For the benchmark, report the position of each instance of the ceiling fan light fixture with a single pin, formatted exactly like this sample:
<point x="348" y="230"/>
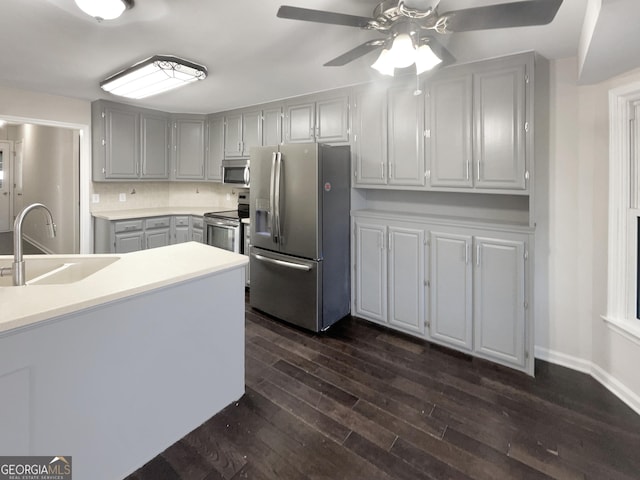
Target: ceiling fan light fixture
<point x="104" y="9"/>
<point x="384" y="64"/>
<point x="154" y="75"/>
<point x="403" y="51"/>
<point x="425" y="59"/>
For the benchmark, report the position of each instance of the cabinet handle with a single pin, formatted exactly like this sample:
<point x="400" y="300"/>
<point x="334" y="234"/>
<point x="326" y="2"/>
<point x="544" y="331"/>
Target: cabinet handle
<point x="381" y="169"/>
<point x="477" y="255"/>
<point x="239" y="146"/>
<point x="468" y="163"/>
<point x="389" y="243"/>
<point x="466" y="253"/>
<point x="478" y="169"/>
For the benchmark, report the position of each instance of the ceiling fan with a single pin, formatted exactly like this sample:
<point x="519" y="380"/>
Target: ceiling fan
<point x="410" y="27"/>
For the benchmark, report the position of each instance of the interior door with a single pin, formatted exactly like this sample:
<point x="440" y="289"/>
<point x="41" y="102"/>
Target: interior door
<point x="5" y="184"/>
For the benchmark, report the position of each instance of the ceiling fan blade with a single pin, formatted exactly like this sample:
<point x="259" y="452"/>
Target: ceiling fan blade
<point x="320" y="16"/>
<point x="515" y="14"/>
<point x="355" y="53"/>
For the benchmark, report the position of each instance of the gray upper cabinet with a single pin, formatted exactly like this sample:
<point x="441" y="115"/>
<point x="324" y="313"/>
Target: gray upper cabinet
<point x="215" y="148"/>
<point x="324" y="119"/>
<point x="449" y="131"/>
<point x="155" y="141"/>
<point x="499" y="122"/>
<point x="369" y="151"/>
<point x="243" y="131"/>
<point x="189" y="148"/>
<point x="120" y="143"/>
<point x="405" y="145"/>
<point x="272" y="126"/>
<point x="301" y="123"/>
<point x="233" y="136"/>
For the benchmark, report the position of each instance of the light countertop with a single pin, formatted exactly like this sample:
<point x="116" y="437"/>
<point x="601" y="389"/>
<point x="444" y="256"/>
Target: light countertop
<point x="133" y="273"/>
<point x="157" y="212"/>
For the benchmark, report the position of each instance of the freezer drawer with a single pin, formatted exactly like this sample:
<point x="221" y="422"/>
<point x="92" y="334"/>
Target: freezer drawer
<point x="288" y="288"/>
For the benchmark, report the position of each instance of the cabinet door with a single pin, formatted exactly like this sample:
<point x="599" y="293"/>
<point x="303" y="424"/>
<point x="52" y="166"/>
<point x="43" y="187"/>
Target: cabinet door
<point x="499" y="118"/>
<point x="128" y="242"/>
<point x="406" y="160"/>
<point x="182" y="235"/>
<point x="215" y="148"/>
<point x="121" y="143"/>
<point x="196" y="235"/>
<point x="233" y="136"/>
<point x="449" y="134"/>
<point x="332" y="120"/>
<point x="301" y="123"/>
<point x="499" y="314"/>
<point x="157" y="238"/>
<point x="451" y="301"/>
<point x="406" y="278"/>
<point x="155" y="142"/>
<point x="189" y="149"/>
<point x="251" y="131"/>
<point x="371" y="272"/>
<point x="272" y="126"/>
<point x="370" y="137"/>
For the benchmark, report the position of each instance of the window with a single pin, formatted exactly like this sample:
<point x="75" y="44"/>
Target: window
<point x="623" y="293"/>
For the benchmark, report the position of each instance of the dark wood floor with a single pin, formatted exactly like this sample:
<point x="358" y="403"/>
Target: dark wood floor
<point x="361" y="402"/>
<point x="6" y="245"/>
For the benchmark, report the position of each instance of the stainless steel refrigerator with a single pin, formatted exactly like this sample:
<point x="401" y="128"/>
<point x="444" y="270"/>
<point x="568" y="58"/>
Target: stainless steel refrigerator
<point x="299" y="260"/>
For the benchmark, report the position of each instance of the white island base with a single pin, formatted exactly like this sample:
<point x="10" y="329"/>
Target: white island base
<point x="114" y="384"/>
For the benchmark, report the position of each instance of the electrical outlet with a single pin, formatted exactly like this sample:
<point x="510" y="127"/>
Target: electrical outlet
<point x="95" y="198"/>
<point x="228" y="196"/>
<point x="123" y="197"/>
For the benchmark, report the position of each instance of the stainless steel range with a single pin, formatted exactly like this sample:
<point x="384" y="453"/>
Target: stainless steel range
<point x="226" y="229"/>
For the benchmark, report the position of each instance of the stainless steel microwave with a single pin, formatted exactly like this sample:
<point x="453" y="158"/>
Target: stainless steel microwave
<point x="236" y="172"/>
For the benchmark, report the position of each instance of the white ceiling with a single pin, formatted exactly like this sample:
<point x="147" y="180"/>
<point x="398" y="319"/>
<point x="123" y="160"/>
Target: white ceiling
<point x="252" y="56"/>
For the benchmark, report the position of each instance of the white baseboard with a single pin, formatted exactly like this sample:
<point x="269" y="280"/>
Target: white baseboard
<point x="611" y="383"/>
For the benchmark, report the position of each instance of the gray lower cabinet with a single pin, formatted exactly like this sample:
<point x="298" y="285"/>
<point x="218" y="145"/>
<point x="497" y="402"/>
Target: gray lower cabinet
<point x="390" y="274"/>
<point x="123" y="236"/>
<point x="197" y="229"/>
<point x="451" y="290"/>
<point x="460" y="286"/>
<point x="181" y="230"/>
<point x="499" y="300"/>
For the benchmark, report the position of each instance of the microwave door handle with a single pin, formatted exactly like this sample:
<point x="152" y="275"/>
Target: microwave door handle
<point x="272" y="200"/>
<point x="278" y="193"/>
<point x="245" y="175"/>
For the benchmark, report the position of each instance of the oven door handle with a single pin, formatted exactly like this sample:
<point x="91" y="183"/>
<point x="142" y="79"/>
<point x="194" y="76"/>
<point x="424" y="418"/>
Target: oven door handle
<point x="282" y="263"/>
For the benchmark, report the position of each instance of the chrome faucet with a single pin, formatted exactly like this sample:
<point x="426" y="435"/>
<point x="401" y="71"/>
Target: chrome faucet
<point x="18" y="261"/>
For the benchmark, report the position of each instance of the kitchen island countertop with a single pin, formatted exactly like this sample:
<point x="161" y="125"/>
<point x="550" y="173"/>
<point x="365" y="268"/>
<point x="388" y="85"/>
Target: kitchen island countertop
<point x="132" y="274"/>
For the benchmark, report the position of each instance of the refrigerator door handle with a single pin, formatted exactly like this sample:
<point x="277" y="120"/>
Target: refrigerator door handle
<point x="282" y="263"/>
<point x="272" y="199"/>
<point x="278" y="189"/>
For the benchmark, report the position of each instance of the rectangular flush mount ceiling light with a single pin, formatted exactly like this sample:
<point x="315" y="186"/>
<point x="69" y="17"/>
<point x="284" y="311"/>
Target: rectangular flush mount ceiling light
<point x="154" y="75"/>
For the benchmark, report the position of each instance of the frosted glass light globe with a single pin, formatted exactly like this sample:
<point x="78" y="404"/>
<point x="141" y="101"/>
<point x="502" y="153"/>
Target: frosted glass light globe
<point x="102" y="9"/>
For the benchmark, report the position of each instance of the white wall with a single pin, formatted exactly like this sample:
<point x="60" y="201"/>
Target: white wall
<point x="573" y="332"/>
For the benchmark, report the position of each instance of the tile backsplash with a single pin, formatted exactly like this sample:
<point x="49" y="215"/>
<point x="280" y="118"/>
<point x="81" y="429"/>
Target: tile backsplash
<point x="163" y="194"/>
